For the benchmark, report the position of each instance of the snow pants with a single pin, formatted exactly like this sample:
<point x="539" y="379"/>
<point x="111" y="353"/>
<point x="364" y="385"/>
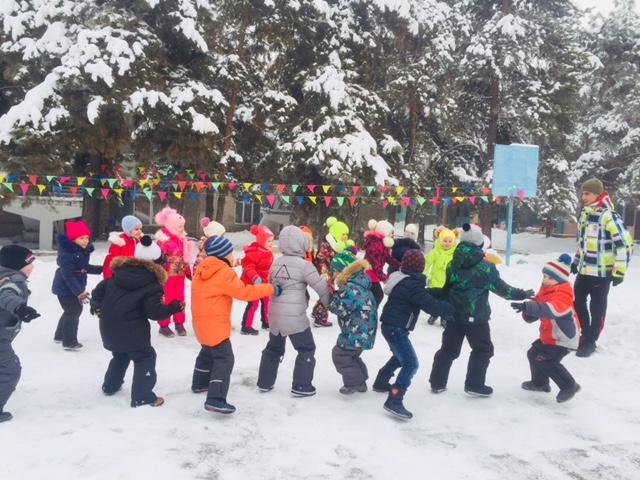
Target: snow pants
<point x="591" y="317"/>
<point x="174" y="290"/>
<point x="144" y="375"/>
<point x="349" y="364"/>
<point x="213" y="370"/>
<point x="67" y="329"/>
<point x="274" y="352"/>
<point x="250" y="311"/>
<point x="10" y="370"/>
<point x="544" y="362"/>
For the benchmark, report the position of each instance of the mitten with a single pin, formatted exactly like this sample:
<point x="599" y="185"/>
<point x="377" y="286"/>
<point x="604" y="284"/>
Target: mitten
<point x="529" y="293"/>
<point x="574" y="268"/>
<point x="26" y="313"/>
<point x="617" y="281"/>
<point x="176" y="306"/>
<point x="278" y="290"/>
<point x="518" y="306"/>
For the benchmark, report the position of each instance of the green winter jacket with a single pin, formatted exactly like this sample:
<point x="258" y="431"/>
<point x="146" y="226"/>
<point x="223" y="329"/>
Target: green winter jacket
<point x="469" y="280"/>
<point x="438" y="260"/>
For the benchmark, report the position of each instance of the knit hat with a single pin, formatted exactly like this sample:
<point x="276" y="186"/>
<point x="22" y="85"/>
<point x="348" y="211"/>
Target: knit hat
<point x="129" y="223"/>
<point x="559" y="269"/>
<point x="472" y="234"/>
<point x="412" y="262"/>
<point x="217" y="247"/>
<point x="337" y="228"/>
<point x="16" y="257"/>
<point x="262" y="233"/>
<point x="147" y="249"/>
<point x="385" y="228"/>
<point x="211" y="228"/>
<point x="77" y="229"/>
<point x="171" y="219"/>
<point x="341" y="260"/>
<point x="351" y="250"/>
<point x="411" y="231"/>
<point x="593" y="185"/>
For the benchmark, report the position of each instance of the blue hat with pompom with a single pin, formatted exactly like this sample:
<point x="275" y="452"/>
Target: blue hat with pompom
<point x="559" y="269"/>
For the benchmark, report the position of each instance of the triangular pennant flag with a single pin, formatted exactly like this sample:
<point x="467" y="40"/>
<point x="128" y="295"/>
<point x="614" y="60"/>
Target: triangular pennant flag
<point x="498" y="200"/>
<point x="178" y="195"/>
<point x="356" y="189"/>
<point x="2" y="178"/>
<point x="74" y="190"/>
<point x="460" y="199"/>
<point x="246" y="198"/>
<point x="399" y="190"/>
<point x="421" y="200"/>
<point x="392" y="200"/>
<point x="435" y="200"/>
<point x="112" y="182"/>
<point x="192" y="175"/>
<point x="265" y="187"/>
<point x="202" y="175"/>
<point x="384" y="189"/>
<point x="24" y="187"/>
<point x="199" y="186"/>
<point x="286" y="198"/>
<point x="300" y="199"/>
<point x="326" y="188"/>
<point x="232" y="186"/>
<point x="175" y="186"/>
<point x="472" y="199"/>
<point x="182" y="185"/>
<point x="385" y="203"/>
<point x="259" y="198"/>
<point x="312" y="188"/>
<point x="339" y="188"/>
<point x="247" y="186"/>
<point x="105" y="193"/>
<point x="162" y="196"/>
<point x="33" y="179"/>
<point x="340" y="200"/>
<point x="41" y="188"/>
<point x="484" y="198"/>
<point x="281" y="187"/>
<point x="486" y="191"/>
<point x="271" y="199"/>
<point x="148" y="194"/>
<point x="352" y="201"/>
<point x="127" y="183"/>
<point x="81" y="180"/>
<point x="103" y="182"/>
<point x="294" y="187"/>
<point x="9" y="186"/>
<point x="141" y="169"/>
<point x="133" y="194"/>
<point x="521" y="194"/>
<point x="143" y="182"/>
<point x="193" y="196"/>
<point x="51" y="177"/>
<point x="328" y="200"/>
<point x="313" y="199"/>
<point x="405" y="201"/>
<point x="118" y="191"/>
<point x="89" y="190"/>
<point x="216" y="186"/>
<point x="370" y="189"/>
<point x="454" y="189"/>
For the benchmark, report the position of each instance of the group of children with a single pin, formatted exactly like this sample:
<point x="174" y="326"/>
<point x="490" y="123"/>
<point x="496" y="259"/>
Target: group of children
<point x="144" y="279"/>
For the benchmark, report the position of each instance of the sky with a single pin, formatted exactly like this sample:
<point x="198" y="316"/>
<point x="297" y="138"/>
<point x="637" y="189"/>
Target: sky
<point x="604" y="6"/>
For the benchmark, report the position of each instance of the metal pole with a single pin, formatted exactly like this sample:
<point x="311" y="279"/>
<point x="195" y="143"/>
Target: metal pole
<point x="509" y="226"/>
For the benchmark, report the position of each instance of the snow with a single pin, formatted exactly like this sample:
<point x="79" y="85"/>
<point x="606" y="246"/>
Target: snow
<point x="93" y="109"/>
<point x="65" y="428"/>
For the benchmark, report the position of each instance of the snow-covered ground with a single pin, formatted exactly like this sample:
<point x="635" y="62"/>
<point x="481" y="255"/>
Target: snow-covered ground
<point x="64" y="427"/>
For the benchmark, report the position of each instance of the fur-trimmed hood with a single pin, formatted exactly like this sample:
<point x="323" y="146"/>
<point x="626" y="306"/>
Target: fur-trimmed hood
<point x="350" y="271"/>
<point x="125" y="280"/>
<point x="117" y="238"/>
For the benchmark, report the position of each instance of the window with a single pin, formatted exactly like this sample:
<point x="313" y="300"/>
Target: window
<point x="247" y="213"/>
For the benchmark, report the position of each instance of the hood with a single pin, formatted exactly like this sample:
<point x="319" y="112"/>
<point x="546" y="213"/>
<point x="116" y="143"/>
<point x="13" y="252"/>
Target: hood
<point x="564" y="289"/>
<point x="132" y="273"/>
<point x="394" y="279"/>
<point x="117" y="239"/>
<point x="437" y="245"/>
<point x="603" y="202"/>
<point x="350" y="272"/>
<point x="15" y="276"/>
<point x="210" y="266"/>
<point x="293" y="241"/>
<point x="255" y="247"/>
<point x="467" y="255"/>
<point x="68" y="246"/>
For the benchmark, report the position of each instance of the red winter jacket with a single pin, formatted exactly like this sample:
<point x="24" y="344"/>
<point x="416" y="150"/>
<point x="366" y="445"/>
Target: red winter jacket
<point x="256" y="263"/>
<point x="559" y="324"/>
<point x="122" y="245"/>
<point x="377" y="255"/>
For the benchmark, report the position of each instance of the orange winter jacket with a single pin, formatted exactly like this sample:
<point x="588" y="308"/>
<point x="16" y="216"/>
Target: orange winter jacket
<point x="214" y="287"/>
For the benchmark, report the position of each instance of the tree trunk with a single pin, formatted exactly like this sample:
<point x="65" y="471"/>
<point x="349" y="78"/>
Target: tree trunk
<point x="413" y="127"/>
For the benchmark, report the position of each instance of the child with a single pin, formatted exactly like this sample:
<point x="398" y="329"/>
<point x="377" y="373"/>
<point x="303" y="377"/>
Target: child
<point x="334" y="242"/>
<point x="400" y="247"/>
<point x="310" y="256"/>
<point x="122" y="244"/>
<point x="214" y="288"/>
<point x="256" y="263"/>
<point x="377" y="247"/>
<point x="124" y="303"/>
<point x="355" y="307"/>
<point x="288" y="314"/>
<point x="16" y="265"/>
<point x="209" y="229"/>
<point x="70" y="281"/>
<point x="470" y="278"/>
<point x="407" y="296"/>
<point x="177" y="253"/>
<point x="438" y="260"/>
<point x="559" y="330"/>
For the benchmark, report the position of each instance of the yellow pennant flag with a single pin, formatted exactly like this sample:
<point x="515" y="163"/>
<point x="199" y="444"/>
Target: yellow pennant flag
<point x="81" y="180"/>
<point x="326" y="188"/>
<point x="41" y="188"/>
<point x="399" y="190"/>
<point x="454" y="189"/>
<point x="143" y="182"/>
<point x="119" y="191"/>
<point x="460" y="199"/>
<point x="247" y="186"/>
<point x="259" y="198"/>
<point x="391" y="200"/>
<point x="2" y="178"/>
<point x="178" y="195"/>
<point x="313" y="199"/>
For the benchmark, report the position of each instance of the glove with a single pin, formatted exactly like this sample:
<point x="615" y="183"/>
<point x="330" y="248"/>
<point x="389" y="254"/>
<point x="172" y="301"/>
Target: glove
<point x="518" y="306"/>
<point x="176" y="306"/>
<point x="448" y="310"/>
<point x="528" y="294"/>
<point x="617" y="281"/>
<point x="95" y="311"/>
<point x="574" y="268"/>
<point x="278" y="290"/>
<point x="26" y="313"/>
<point x="257" y="281"/>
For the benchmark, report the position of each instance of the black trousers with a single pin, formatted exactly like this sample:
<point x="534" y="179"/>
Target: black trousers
<point x="591" y="317"/>
<point x="544" y="362"/>
<point x="274" y="352"/>
<point x="213" y="370"/>
<point x="378" y="293"/>
<point x="479" y="337"/>
<point x="10" y="370"/>
<point x="144" y="374"/>
<point x="67" y="329"/>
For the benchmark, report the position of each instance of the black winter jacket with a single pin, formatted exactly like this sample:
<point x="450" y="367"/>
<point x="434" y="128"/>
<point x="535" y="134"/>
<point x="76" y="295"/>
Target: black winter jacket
<point x="407" y="296"/>
<point x="126" y="301"/>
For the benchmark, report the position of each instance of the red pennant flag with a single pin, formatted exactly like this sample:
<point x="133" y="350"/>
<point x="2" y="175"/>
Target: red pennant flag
<point x="473" y="199"/>
<point x="312" y="188"/>
<point x="199" y="186"/>
<point x="352" y="200"/>
<point x="105" y="193"/>
<point x="438" y="190"/>
<point x="127" y="183"/>
<point x="521" y="194"/>
<point x="232" y="186"/>
<point x="74" y="190"/>
<point x="435" y="200"/>
<point x="33" y="179"/>
<point x="486" y="191"/>
<point x="385" y="203"/>
<point x="202" y="175"/>
<point x="271" y="199"/>
<point x="405" y="201"/>
<point x="182" y="185"/>
<point x="24" y="187"/>
<point x="356" y="189"/>
<point x="384" y="189"/>
<point x="498" y="201"/>
<point x="64" y="180"/>
<point x="328" y="200"/>
<point x="281" y="187"/>
<point x="162" y="196"/>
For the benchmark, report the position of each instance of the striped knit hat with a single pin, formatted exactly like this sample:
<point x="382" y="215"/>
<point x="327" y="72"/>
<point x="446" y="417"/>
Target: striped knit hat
<point x="341" y="261"/>
<point x="559" y="269"/>
<point x="218" y="247"/>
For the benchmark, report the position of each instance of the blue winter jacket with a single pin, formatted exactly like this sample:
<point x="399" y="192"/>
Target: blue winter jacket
<point x="356" y="309"/>
<point x="407" y="295"/>
<point x="70" y="279"/>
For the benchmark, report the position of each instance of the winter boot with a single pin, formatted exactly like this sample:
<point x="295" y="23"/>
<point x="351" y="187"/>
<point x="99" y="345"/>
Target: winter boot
<point x="264" y="389"/>
<point x="357" y="388"/>
<point x="108" y="393"/>
<point x="567" y="394"/>
<point x="166" y="332"/>
<point x="532" y="387"/>
<point x="180" y="330"/>
<point x="438" y="388"/>
<point x="73" y="348"/>
<point x="199" y="390"/>
<point x="481" y="391"/>
<point x="303" y="390"/>
<point x="249" y="331"/>
<point x="265" y="326"/>
<point x="219" y="405"/>
<point x="431" y="320"/>
<point x="153" y="403"/>
<point x="394" y="404"/>
<point x="585" y="350"/>
<point x="381" y="384"/>
<point x="5" y="417"/>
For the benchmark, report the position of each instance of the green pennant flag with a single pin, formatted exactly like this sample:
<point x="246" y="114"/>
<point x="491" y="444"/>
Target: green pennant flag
<point x="484" y="198"/>
<point x="8" y="185"/>
<point x="176" y="187"/>
<point x="192" y="175"/>
<point x="286" y="198"/>
<point x="148" y="194"/>
<point x="216" y="186"/>
<point x="294" y="187"/>
<point x="112" y="182"/>
<point x="89" y="190"/>
<point x="370" y="189"/>
<point x="340" y="200"/>
<point x="421" y="200"/>
<point x="51" y="177"/>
